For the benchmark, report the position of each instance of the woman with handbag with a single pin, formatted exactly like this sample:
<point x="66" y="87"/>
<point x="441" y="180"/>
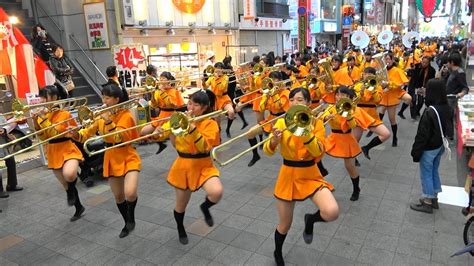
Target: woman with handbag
<point x="430" y="143"/>
<point x="62" y="69"/>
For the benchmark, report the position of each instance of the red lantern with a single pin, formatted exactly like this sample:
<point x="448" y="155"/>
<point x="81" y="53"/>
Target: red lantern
<point x="427" y="8"/>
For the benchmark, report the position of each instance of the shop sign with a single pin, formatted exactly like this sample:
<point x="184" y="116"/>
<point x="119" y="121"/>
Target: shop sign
<point x="129" y="57"/>
<point x="330" y="27"/>
<point x="265" y="24"/>
<point x="249" y="9"/>
<point x="96" y="26"/>
<point x="304" y="33"/>
<point x="189" y="6"/>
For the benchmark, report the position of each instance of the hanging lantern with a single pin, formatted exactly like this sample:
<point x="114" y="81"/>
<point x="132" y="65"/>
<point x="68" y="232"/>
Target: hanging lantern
<point x="427" y="8"/>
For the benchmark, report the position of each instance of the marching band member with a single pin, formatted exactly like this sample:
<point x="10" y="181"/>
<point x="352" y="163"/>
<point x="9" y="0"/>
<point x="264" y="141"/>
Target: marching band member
<point x="303" y="70"/>
<point x="121" y="165"/>
<point x="368" y="62"/>
<point x="393" y="94"/>
<point x="291" y="72"/>
<point x="368" y="103"/>
<point x="299" y="179"/>
<point x="63" y="155"/>
<point x="218" y="84"/>
<point x="341" y="143"/>
<point x="193" y="168"/>
<point x="167" y="99"/>
<point x="277" y="104"/>
<point x="353" y="71"/>
<point x="340" y="76"/>
<point x="253" y="90"/>
<point x="233" y="86"/>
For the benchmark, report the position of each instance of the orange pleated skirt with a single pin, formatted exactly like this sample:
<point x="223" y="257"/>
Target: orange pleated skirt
<point x="342" y="145"/>
<point x="222" y="101"/>
<point x="392" y="97"/>
<point x="191" y="173"/>
<point x="299" y="183"/>
<point x="255" y="104"/>
<point x="161" y="116"/>
<point x="372" y="111"/>
<point x="119" y="161"/>
<point x="59" y="153"/>
<point x="363" y="119"/>
<point x="329" y="98"/>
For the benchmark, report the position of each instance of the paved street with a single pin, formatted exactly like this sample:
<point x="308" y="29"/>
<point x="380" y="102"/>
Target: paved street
<point x="380" y="228"/>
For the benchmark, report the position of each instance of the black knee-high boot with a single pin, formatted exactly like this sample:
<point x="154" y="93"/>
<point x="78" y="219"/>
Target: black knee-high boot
<point x="241" y="115"/>
<point x="355" y="188"/>
<point x="394" y="135"/>
<point x="322" y="169"/>
<point x="229" y="124"/>
<point x="402" y="109"/>
<point x="381" y="115"/>
<point x="123" y="208"/>
<point x="278" y="253"/>
<point x="179" y="217"/>
<point x="260" y="137"/>
<point x="71" y="197"/>
<point x="309" y="220"/>
<point x="255" y="156"/>
<point x="205" y="210"/>
<point x="131" y="214"/>
<point x="161" y="146"/>
<point x="79" y="208"/>
<point x="374" y="142"/>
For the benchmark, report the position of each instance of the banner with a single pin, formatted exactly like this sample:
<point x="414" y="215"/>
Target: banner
<point x="304" y="33"/>
<point x="131" y="63"/>
<point x="249" y="9"/>
<point x="96" y="26"/>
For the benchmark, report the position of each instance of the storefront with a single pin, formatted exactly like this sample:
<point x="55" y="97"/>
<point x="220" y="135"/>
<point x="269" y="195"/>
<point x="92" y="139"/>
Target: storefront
<point x="177" y="35"/>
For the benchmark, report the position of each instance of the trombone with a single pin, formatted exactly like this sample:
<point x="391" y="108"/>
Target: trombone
<point x="88" y="116"/>
<point x="268" y="88"/>
<point x="179" y="126"/>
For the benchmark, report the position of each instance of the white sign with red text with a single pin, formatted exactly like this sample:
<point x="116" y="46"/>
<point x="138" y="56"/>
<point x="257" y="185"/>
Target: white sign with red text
<point x="249" y="9"/>
<point x="265" y="24"/>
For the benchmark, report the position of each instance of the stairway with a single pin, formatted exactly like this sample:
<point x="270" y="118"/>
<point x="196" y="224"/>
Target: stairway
<point x="26" y="23"/>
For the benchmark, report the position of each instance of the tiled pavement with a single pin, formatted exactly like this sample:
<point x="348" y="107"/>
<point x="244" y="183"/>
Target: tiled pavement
<point x="378" y="229"/>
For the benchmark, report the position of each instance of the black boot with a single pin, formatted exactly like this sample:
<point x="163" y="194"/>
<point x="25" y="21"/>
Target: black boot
<point x="161" y="147"/>
<point x="402" y="109"/>
<point x="71" y="197"/>
<point x="278" y="254"/>
<point x="324" y="172"/>
<point x="79" y="208"/>
<point x="131" y="214"/>
<point x="205" y="210"/>
<point x="381" y="115"/>
<point x="309" y="220"/>
<point x="229" y="124"/>
<point x="255" y="156"/>
<point x="394" y="135"/>
<point x="357" y="163"/>
<point x="123" y="208"/>
<point x="369" y="134"/>
<point x="261" y="139"/>
<point x="355" y="189"/>
<point x="374" y="142"/>
<point x="12" y="182"/>
<point x="241" y="115"/>
<point x="179" y="217"/>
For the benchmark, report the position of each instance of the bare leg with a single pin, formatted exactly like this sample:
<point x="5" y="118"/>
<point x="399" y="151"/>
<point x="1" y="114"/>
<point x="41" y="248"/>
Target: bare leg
<point x="285" y="214"/>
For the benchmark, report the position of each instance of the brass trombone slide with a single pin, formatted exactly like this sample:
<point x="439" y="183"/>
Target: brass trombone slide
<point x="268" y="88"/>
<point x="179" y="126"/>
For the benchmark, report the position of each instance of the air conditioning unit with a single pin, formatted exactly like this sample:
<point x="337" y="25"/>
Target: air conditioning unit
<point x="127" y="10"/>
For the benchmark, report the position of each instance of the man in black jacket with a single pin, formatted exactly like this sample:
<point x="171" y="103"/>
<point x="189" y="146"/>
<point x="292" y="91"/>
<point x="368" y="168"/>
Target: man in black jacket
<point x="419" y="76"/>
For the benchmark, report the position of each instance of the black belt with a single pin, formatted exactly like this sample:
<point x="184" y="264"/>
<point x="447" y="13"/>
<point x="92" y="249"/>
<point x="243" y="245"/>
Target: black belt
<point x="299" y="163"/>
<point x="314" y="101"/>
<point x="168" y="109"/>
<point x="340" y="131"/>
<point x="366" y="105"/>
<point x="58" y="140"/>
<point x="277" y="114"/>
<point x="194" y="156"/>
<point x="223" y="94"/>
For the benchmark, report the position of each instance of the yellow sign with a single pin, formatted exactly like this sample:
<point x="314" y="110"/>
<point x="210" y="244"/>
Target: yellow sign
<point x="189" y="6"/>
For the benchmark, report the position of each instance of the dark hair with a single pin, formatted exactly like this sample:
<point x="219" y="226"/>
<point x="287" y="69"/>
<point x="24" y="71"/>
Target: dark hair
<point x="219" y="65"/>
<point x="227" y="60"/>
<point x="435" y="92"/>
<point x="111" y="71"/>
<point x="34" y="31"/>
<point x="370" y="70"/>
<point x="51" y="90"/>
<point x="305" y="92"/>
<point x="368" y="52"/>
<point x="115" y="91"/>
<point x="56" y="47"/>
<point x="204" y="97"/>
<point x="275" y="75"/>
<point x="278" y="58"/>
<point x="167" y="75"/>
<point x="292" y="68"/>
<point x="337" y="58"/>
<point x="346" y="90"/>
<point x="270" y="59"/>
<point x="150" y="69"/>
<point x="256" y="59"/>
<point x="350" y="58"/>
<point x="455" y="59"/>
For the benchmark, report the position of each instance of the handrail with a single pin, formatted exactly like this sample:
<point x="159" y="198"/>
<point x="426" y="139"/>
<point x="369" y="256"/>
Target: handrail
<point x="86" y="75"/>
<point x="37" y="3"/>
<point x="90" y="60"/>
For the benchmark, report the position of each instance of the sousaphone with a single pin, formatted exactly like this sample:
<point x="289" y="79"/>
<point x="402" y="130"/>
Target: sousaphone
<point x="385" y="37"/>
<point x="410" y="37"/>
<point x="360" y="39"/>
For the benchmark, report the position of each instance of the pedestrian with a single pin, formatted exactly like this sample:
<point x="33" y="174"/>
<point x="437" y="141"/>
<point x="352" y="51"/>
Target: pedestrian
<point x="12" y="183"/>
<point x="62" y="69"/>
<point x="428" y="146"/>
<point x="41" y="43"/>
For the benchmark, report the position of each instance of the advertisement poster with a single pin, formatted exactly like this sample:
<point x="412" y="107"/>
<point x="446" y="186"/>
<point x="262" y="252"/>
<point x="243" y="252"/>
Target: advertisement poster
<point x="96" y="26"/>
<point x="130" y="60"/>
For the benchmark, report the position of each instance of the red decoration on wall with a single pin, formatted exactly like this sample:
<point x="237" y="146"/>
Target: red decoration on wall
<point x="427" y="8"/>
<point x="189" y="6"/>
<point x="129" y="58"/>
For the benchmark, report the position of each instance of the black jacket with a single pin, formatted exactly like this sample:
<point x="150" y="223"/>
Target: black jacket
<point x="42" y="47"/>
<point x="428" y="136"/>
<point x="418" y="79"/>
<point x="61" y="68"/>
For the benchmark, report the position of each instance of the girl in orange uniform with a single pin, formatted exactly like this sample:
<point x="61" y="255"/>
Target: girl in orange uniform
<point x="299" y="177"/>
<point x="393" y="94"/>
<point x="167" y="100"/>
<point x="63" y="155"/>
<point x="122" y="164"/>
<point x="291" y="73"/>
<point x="277" y="104"/>
<point x="341" y="143"/>
<point x="340" y="76"/>
<point x="219" y="83"/>
<point x="193" y="168"/>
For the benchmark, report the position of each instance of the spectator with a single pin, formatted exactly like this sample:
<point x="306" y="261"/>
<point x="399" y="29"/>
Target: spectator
<point x="41" y="43"/>
<point x="428" y="146"/>
<point x="62" y="69"/>
<point x="12" y="183"/>
<point x="456" y="87"/>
